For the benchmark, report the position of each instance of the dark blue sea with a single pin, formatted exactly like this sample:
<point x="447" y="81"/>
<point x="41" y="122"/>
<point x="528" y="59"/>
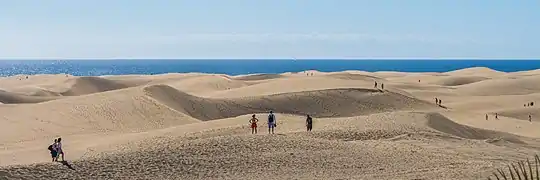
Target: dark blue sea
<point x="235" y="67"/>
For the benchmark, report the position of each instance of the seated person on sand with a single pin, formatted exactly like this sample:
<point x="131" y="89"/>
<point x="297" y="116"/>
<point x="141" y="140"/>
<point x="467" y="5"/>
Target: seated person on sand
<point x="271" y="122"/>
<point x="309" y="123"/>
<point x="253" y="121"/>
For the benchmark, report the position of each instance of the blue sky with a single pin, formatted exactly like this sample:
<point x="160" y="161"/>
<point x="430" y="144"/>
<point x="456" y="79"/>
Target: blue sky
<point x="66" y="29"/>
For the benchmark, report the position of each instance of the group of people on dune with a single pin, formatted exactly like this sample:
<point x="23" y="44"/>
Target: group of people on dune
<point x="56" y="149"/>
<point x="272" y="123"/>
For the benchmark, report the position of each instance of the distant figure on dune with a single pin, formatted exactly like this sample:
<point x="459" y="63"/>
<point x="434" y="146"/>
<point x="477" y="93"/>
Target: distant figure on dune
<point x="436" y="101"/>
<point x="253" y="122"/>
<point x="532" y="103"/>
<point x="487" y="117"/>
<point x="309" y="123"/>
<point x="496" y="115"/>
<point x="440" y="102"/>
<point x="530" y="118"/>
<point x="375" y="84"/>
<point x="419" y="80"/>
<point x="271" y="122"/>
<point x="52" y="150"/>
<point x="382" y="86"/>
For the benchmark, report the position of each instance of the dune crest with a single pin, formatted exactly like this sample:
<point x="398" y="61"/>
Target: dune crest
<point x="479" y="71"/>
<point x="89" y="85"/>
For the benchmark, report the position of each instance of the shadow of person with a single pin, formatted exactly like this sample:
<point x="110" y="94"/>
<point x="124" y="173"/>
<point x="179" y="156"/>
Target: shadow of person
<point x="443" y="106"/>
<point x="65" y="163"/>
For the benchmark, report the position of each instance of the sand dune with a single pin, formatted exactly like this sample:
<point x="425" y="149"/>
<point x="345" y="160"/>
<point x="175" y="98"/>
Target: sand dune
<point x="369" y="148"/>
<point x="445" y="125"/>
<point x="12" y="98"/>
<point x="351" y="76"/>
<point x="202" y="85"/>
<point x="457" y="81"/>
<point x="486" y="72"/>
<point x="320" y="103"/>
<point x="89" y="85"/>
<point x="502" y="86"/>
<point x="195" y="126"/>
<point x="126" y="110"/>
<point x="257" y="77"/>
<point x="522" y="113"/>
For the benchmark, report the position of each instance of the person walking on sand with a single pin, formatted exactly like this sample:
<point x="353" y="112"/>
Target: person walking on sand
<point x="309" y="123"/>
<point x="375" y="85"/>
<point x="59" y="149"/>
<point x="496" y="115"/>
<point x="271" y="122"/>
<point x="382" y="86"/>
<point x="436" y="101"/>
<point x="530" y="118"/>
<point x="487" y="117"/>
<point x="52" y="150"/>
<point x="253" y="121"/>
<point x="440" y="102"/>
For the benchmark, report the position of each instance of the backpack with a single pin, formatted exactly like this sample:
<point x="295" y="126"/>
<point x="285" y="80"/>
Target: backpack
<point x="50" y="148"/>
<point x="271" y="118"/>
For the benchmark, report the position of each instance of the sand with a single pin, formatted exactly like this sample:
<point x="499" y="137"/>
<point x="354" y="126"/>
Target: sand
<point x="195" y="126"/>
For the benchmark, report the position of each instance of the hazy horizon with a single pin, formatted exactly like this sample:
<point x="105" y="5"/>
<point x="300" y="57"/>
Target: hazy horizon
<point x="279" y="29"/>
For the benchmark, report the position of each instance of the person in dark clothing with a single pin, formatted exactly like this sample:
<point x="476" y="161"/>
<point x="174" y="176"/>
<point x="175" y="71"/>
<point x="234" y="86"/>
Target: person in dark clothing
<point x="375" y="84"/>
<point x="309" y="123"/>
<point x="52" y="149"/>
<point x="436" y="101"/>
<point x="271" y="122"/>
<point x="440" y="102"/>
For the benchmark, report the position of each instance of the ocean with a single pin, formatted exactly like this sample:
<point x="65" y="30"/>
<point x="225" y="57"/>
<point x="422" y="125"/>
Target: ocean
<point x="236" y="67"/>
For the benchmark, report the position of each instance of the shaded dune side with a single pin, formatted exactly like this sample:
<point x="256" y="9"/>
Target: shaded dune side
<point x="43" y="92"/>
<point x="256" y="77"/>
<point x="445" y="125"/>
<point x="319" y="103"/>
<point x="13" y="98"/>
<point x="456" y="81"/>
<point x="89" y="85"/>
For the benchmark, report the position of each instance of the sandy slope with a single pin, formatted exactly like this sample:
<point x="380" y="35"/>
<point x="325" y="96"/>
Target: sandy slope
<point x="194" y="126"/>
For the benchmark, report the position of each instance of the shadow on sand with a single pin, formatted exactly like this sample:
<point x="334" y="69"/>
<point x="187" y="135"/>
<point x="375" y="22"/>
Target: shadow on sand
<point x="443" y="106"/>
<point x="65" y="163"/>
